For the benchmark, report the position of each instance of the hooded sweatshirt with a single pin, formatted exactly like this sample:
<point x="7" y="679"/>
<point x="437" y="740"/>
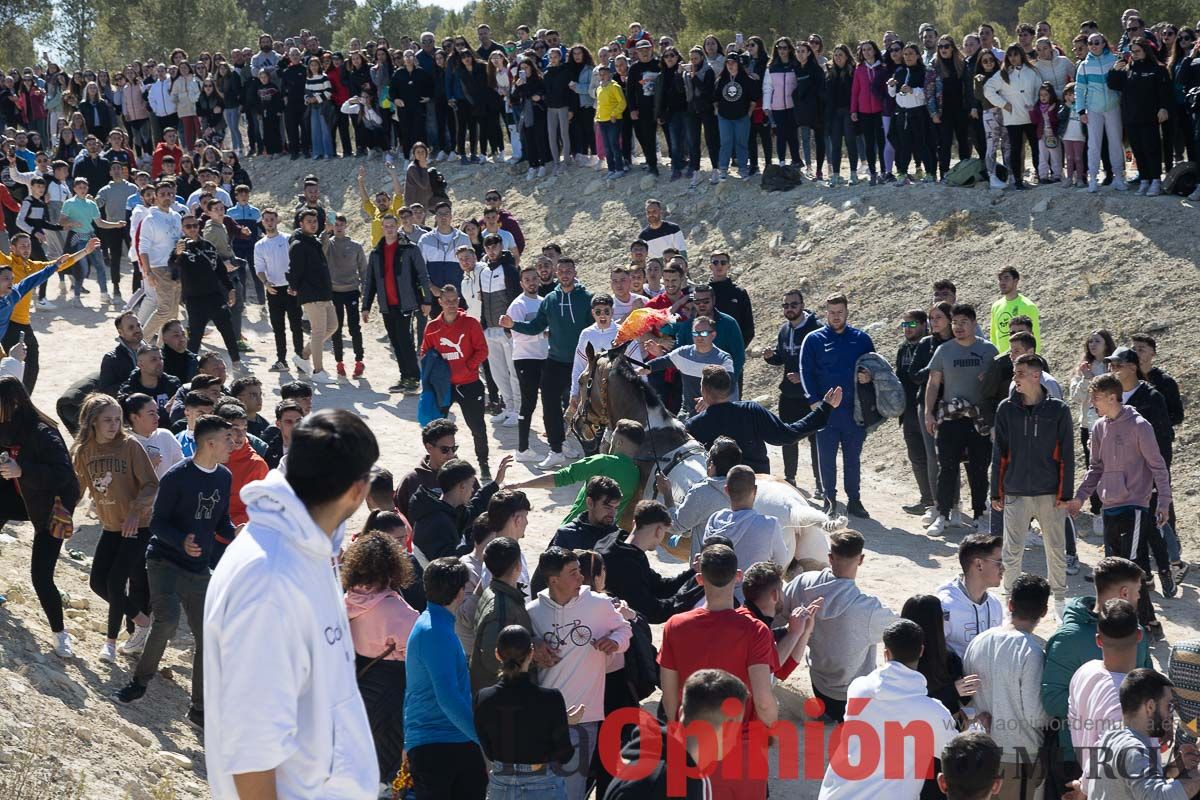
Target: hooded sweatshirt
<point x="1094" y="709"/>
<point x="1072" y="646"/>
<point x="691" y="515"/>
<point x="895" y="697"/>
<point x="1091" y="85"/>
<point x="849" y="626"/>
<point x="1126" y="464"/>
<point x="378" y="619"/>
<point x="274" y="607"/>
<point x="566" y="314"/>
<point x="438" y="527"/>
<point x="576" y="626"/>
<point x="460" y="342"/>
<point x="121" y="479"/>
<point x="247" y="466"/>
<point x="756" y="537"/>
<point x="1032" y="453"/>
<point x="966" y="619"/>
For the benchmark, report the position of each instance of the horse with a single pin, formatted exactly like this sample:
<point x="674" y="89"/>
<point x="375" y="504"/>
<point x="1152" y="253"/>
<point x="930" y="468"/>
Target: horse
<point x="610" y="390"/>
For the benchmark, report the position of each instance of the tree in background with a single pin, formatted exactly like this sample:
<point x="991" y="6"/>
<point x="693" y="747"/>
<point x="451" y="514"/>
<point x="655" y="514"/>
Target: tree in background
<point x="22" y="23"/>
<point x="74" y="25"/>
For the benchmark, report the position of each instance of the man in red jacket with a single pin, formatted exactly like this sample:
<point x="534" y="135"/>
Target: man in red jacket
<point x="459" y="338"/>
<point x="246" y="465"/>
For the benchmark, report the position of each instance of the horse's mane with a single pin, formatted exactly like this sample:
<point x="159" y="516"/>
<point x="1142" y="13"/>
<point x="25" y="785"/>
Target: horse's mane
<point x="623" y="368"/>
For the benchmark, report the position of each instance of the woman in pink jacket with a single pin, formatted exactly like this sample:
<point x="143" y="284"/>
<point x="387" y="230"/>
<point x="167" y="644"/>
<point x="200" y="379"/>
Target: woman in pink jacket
<point x="867" y="95"/>
<point x="374" y="569"/>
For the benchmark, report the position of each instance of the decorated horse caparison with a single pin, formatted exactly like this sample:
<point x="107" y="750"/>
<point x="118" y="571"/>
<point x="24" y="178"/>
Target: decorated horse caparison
<point x="611" y="390"/>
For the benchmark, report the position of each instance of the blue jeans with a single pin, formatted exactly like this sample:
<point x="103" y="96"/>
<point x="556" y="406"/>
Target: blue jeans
<point x="511" y="782"/>
<point x="231" y="121"/>
<point x="678" y="141"/>
<point x="735" y="141"/>
<point x="850" y="437"/>
<point x="322" y="137"/>
<point x="611" y="131"/>
<point x="92" y="264"/>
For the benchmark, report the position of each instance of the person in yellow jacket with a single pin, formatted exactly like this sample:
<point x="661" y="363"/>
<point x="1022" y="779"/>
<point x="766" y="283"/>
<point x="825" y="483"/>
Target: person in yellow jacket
<point x="610" y="106"/>
<point x="382" y="204"/>
<point x="1012" y="304"/>
<point x="20" y="275"/>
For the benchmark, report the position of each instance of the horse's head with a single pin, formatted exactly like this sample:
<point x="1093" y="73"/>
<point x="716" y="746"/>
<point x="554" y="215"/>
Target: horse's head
<point x="591" y="415"/>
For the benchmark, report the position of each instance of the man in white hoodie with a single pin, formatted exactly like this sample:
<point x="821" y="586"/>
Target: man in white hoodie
<point x="849" y="624"/>
<point x="908" y="725"/>
<point x="583" y="629"/>
<point x="756" y="537"/>
<point x="277" y="640"/>
<point x="969" y="608"/>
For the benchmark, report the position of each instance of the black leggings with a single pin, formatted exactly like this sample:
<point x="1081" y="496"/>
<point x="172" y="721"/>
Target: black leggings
<point x="529" y="378"/>
<point x="285" y="312"/>
<point x="468" y="128"/>
<point x="469" y="397"/>
<point x="556" y="384"/>
<point x="119" y="560"/>
<point x="1015" y="135"/>
<point x="32" y="366"/>
<point x="871" y="126"/>
<point x="951" y="128"/>
<point x="491" y="134"/>
<point x="44" y="559"/>
<point x="712" y="139"/>
<point x="345" y="305"/>
<point x="583" y="132"/>
<point x="787" y="135"/>
<point x="760" y="133"/>
<point x="112" y="242"/>
<point x="1084" y="436"/>
<point x="200" y="310"/>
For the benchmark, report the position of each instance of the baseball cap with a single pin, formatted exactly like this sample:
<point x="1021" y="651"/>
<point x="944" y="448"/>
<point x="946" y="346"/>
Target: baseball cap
<point x="1123" y="355"/>
<point x="643" y="45"/>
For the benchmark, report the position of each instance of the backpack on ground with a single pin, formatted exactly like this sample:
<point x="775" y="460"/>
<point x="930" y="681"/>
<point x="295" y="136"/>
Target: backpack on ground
<point x="1182" y="178"/>
<point x="781" y="178"/>
<point x="967" y="172"/>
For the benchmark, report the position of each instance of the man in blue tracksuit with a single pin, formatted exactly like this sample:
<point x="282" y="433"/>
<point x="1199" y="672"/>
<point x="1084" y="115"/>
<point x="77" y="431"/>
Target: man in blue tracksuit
<point x="827" y="359"/>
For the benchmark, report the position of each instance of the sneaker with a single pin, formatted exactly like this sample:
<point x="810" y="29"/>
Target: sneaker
<point x="571" y="449"/>
<point x="995" y="183"/>
<point x="541" y="173"/>
<point x="715" y="178"/>
<point x="527" y="456"/>
<point x="62" y="645"/>
<point x="46" y="304"/>
<point x="511" y="420"/>
<point x="1179" y="570"/>
<point x="341" y="369"/>
<point x="278" y="366"/>
<point x="982" y="523"/>
<point x="1194" y="197"/>
<point x="130" y="692"/>
<point x="956" y="518"/>
<point x="1092" y="186"/>
<point x="1033" y="540"/>
<point x="1120" y="185"/>
<point x="552" y="461"/>
<point x="359" y="369"/>
<point x="854" y="179"/>
<point x="244" y="347"/>
<point x="1155" y="189"/>
<point x="108" y="653"/>
<point x="1167" y="583"/>
<point x="76" y="302"/>
<point x="1072" y="565"/>
<point x="196" y="717"/>
<point x="302" y="364"/>
<point x="855" y="509"/>
<point x="938" y="526"/>
<point x="916" y="509"/>
<point x="873" y="180"/>
<point x="410" y="384"/>
<point x="496" y="408"/>
<point x="1143" y="187"/>
<point x="929" y="516"/>
<point x="396" y="387"/>
<point x="818" y="497"/>
<point x="531" y="174"/>
<point x="136" y="643"/>
<point x="323" y="377"/>
<point x="105" y="298"/>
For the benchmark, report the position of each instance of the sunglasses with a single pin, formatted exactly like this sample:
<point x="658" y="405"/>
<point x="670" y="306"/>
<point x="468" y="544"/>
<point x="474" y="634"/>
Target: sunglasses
<point x="943" y="47"/>
<point x="190" y="226"/>
<point x="702" y="334"/>
<point x="448" y="450"/>
<point x="720" y="261"/>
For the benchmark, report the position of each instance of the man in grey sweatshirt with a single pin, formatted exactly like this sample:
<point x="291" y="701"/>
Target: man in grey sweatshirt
<point x="849" y="625"/>
<point x="690" y="516"/>
<point x="756" y="537"/>
<point x="1135" y="772"/>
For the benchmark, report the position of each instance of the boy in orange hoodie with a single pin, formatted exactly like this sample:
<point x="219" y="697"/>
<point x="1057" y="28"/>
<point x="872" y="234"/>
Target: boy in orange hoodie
<point x="245" y="464"/>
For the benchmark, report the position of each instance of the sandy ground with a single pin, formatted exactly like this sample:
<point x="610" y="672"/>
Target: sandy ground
<point x="99" y="749"/>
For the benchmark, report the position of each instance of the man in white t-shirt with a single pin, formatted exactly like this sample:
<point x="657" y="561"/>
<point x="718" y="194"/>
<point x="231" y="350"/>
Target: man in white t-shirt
<point x="1094" y="703"/>
<point x="624" y="299"/>
<point x="276" y="636"/>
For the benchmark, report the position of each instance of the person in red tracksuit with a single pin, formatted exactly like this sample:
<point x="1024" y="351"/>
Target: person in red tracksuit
<point x="459" y="338"/>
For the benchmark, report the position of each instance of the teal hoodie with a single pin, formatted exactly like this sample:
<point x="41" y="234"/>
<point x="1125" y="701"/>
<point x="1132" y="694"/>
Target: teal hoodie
<point x="1072" y="646"/>
<point x="566" y="314"/>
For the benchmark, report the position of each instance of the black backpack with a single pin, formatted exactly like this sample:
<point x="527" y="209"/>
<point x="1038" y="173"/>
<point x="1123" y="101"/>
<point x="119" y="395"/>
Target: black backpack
<point x="1182" y="178"/>
<point x="641" y="660"/>
<point x="781" y="178"/>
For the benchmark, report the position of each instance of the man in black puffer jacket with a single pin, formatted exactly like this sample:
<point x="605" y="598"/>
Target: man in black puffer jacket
<point x="310" y="283"/>
<point x="798" y="324"/>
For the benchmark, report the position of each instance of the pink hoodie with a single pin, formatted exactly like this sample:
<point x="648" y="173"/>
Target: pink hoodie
<point x="867" y="90"/>
<point x="1126" y="465"/>
<point x="377" y="619"/>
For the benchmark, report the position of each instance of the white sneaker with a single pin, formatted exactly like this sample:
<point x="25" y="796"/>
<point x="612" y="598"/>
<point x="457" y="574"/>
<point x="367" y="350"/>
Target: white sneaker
<point x="938" y="527"/>
<point x="995" y="182"/>
<point x="956" y="518"/>
<point x="136" y="643"/>
<point x="511" y="419"/>
<point x="324" y="377"/>
<point x="302" y="364"/>
<point x="530" y="174"/>
<point x="441" y="156"/>
<point x="1120" y="185"/>
<point x="1093" y="186"/>
<point x="541" y="173"/>
<point x="46" y="304"/>
<point x="929" y="516"/>
<point x="552" y="461"/>
<point x="62" y="645"/>
<point x="108" y="653"/>
<point x="526" y="456"/>
<point x="105" y="298"/>
<point x="572" y="450"/>
<point x="1155" y="189"/>
<point x="1098" y="524"/>
<point x="982" y="523"/>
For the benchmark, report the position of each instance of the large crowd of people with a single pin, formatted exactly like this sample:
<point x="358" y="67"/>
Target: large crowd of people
<point x="432" y="651"/>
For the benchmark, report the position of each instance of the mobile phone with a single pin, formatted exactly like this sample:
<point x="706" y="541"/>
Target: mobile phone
<point x="737" y="38"/>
